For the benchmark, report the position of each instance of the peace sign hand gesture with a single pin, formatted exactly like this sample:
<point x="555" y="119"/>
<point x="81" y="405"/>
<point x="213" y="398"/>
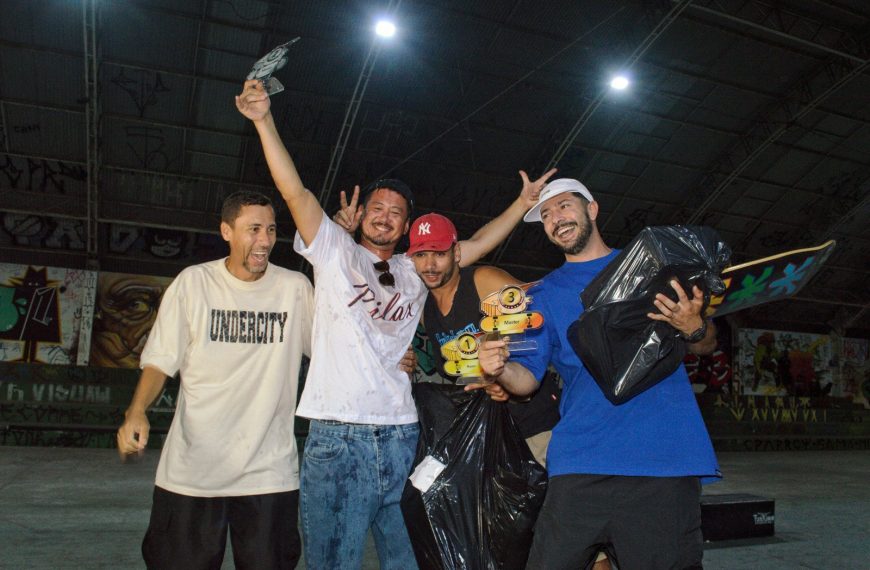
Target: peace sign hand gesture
<point x="349" y="215"/>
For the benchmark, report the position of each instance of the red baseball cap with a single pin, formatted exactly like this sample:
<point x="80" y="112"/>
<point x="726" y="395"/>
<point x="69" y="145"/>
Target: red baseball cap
<point x="432" y="232"/>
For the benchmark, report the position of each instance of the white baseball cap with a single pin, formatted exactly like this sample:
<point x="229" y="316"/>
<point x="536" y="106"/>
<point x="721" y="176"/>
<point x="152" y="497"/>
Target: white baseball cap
<point x="554" y="188"/>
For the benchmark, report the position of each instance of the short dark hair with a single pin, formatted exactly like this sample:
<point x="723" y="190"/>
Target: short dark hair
<point x="393" y="184"/>
<point x="234" y="203"/>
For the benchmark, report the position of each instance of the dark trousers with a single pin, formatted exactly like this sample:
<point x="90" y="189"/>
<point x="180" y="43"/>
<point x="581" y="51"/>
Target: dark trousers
<point x="643" y="523"/>
<point x="190" y="533"/>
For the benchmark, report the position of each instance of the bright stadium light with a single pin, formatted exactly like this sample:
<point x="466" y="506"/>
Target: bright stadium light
<point x="619" y="82"/>
<point x="385" y="29"/>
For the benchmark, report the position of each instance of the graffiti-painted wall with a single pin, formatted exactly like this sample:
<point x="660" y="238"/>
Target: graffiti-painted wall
<point x="53" y="315"/>
<point x="125" y="309"/>
<point x="157" y="243"/>
<point x="132" y="242"/>
<point x="711" y="373"/>
<point x="783" y="363"/>
<point x="780" y="363"/>
<point x="853" y="373"/>
<point x="44" y="313"/>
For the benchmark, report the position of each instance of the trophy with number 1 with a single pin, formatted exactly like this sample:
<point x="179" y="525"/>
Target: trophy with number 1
<point x="505" y="315"/>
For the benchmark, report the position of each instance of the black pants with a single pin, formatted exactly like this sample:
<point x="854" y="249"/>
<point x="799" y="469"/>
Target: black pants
<point x="643" y="523"/>
<point x="190" y="533"/>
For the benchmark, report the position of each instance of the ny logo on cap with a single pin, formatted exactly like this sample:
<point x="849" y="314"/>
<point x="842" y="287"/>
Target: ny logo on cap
<point x="424" y="229"/>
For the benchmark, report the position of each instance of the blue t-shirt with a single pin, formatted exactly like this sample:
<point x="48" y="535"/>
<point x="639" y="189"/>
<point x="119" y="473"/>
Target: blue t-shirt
<point x="657" y="433"/>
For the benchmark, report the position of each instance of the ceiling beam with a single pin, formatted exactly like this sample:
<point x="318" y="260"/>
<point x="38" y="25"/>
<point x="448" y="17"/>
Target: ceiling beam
<point x="352" y="110"/>
<point x="90" y="25"/>
<point x="856" y="210"/>
<point x="817" y="301"/>
<point x="447" y="67"/>
<point x="765" y="129"/>
<point x="846" y="317"/>
<point x="775" y="20"/>
<point x="805" y="95"/>
<point x="191" y="97"/>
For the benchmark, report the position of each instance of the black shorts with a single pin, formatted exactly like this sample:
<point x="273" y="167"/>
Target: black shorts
<point x="641" y="522"/>
<point x="191" y="532"/>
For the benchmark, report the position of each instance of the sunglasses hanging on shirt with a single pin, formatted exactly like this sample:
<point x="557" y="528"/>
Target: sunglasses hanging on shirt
<point x="385" y="278"/>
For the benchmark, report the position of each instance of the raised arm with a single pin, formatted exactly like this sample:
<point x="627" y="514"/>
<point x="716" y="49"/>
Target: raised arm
<point x="497" y="230"/>
<point x="307" y="214"/>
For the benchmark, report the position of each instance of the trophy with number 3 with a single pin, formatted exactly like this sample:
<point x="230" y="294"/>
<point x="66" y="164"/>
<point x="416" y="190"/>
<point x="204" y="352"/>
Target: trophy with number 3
<point x="505" y="316"/>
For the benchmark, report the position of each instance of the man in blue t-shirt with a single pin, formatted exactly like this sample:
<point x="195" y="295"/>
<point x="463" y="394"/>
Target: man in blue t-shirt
<point x="623" y="478"/>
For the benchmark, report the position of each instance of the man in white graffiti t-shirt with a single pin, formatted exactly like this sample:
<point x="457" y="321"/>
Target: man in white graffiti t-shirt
<point x="367" y="305"/>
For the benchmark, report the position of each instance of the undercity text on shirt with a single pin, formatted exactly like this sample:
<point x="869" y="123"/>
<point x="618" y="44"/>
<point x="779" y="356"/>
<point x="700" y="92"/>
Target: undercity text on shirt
<point x="257" y="327"/>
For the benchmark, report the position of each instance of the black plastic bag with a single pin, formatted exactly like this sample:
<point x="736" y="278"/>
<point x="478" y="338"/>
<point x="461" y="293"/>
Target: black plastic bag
<point x="478" y="513"/>
<point x="625" y="351"/>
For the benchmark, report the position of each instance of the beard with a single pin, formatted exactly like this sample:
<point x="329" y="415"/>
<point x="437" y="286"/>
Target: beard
<point x="445" y="277"/>
<point x="378" y="240"/>
<point x="580" y="242"/>
<point x="379" y="237"/>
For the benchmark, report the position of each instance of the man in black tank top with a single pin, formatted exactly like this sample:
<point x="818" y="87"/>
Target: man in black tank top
<point x="452" y="310"/>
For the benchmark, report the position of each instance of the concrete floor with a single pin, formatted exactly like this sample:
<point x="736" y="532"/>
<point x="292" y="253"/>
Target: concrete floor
<point x="81" y="508"/>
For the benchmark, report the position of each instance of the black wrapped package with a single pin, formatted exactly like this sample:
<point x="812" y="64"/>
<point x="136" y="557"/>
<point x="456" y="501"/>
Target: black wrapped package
<point x="478" y="487"/>
<point x="624" y="350"/>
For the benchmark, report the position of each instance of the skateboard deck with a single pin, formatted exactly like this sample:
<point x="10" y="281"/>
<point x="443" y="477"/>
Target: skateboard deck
<point x="768" y="279"/>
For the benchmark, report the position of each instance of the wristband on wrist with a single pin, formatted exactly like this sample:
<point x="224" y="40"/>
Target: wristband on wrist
<point x="696" y="336"/>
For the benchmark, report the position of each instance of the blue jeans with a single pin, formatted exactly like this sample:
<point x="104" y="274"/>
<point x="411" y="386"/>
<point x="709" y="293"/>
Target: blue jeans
<point x="352" y="480"/>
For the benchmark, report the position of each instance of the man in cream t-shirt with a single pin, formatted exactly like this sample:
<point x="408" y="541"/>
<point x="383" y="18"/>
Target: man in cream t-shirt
<point x="363" y="432"/>
<point x="236" y="330"/>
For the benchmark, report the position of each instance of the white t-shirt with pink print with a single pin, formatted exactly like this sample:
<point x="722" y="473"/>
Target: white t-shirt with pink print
<point x="361" y="332"/>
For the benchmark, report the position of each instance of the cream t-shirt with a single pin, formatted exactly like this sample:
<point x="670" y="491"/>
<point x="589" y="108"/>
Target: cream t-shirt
<point x="238" y="346"/>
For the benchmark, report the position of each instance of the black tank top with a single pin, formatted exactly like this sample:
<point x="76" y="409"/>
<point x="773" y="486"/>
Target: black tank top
<point x="541" y="413"/>
<point x="464" y="316"/>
